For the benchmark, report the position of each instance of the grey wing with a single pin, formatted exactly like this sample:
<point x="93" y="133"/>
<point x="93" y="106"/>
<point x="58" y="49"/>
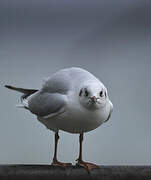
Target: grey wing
<point x="110" y="112"/>
<point x="45" y="104"/>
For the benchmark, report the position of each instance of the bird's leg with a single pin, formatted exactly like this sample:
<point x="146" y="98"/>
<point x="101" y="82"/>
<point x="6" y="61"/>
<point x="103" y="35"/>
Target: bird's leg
<point x="56" y="145"/>
<point x="55" y="161"/>
<point x="82" y="163"/>
<point x="80" y="147"/>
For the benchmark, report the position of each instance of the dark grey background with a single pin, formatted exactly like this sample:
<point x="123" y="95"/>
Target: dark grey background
<point x="111" y="39"/>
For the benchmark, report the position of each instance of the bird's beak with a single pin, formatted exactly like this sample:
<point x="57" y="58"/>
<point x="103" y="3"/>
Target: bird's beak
<point x="93" y="99"/>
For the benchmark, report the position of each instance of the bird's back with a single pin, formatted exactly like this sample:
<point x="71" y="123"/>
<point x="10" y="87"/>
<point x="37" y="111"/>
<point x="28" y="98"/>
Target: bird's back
<point x="66" y="79"/>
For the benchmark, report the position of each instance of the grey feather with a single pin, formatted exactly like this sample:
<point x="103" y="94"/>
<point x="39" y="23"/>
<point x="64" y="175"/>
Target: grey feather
<point x="64" y="80"/>
<point x="108" y="116"/>
<point x="110" y="112"/>
<point x="44" y="104"/>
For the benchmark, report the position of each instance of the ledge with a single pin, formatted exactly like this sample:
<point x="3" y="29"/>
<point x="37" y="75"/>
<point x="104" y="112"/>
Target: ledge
<point x="48" y="172"/>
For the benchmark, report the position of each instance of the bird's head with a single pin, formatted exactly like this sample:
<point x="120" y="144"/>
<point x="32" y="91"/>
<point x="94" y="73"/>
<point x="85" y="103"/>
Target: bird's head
<point x="93" y="96"/>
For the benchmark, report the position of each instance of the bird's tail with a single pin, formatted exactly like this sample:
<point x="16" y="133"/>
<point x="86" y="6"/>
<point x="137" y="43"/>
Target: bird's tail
<point x="26" y="93"/>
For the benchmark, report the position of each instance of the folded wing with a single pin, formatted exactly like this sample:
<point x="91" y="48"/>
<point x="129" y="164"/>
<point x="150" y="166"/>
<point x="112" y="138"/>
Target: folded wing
<point x="44" y="104"/>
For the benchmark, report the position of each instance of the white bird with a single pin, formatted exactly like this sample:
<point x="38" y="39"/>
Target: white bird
<point x="72" y="100"/>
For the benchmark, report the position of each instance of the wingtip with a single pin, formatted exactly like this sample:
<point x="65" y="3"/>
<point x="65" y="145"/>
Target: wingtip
<point x="8" y="86"/>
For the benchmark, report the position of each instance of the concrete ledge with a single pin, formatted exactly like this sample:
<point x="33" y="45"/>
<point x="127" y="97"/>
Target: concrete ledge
<point x="48" y="172"/>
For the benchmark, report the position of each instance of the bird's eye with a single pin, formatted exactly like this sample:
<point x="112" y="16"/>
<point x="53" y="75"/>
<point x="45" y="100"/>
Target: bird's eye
<point x="86" y="93"/>
<point x="80" y="93"/>
<point x="105" y="94"/>
<point x="101" y="93"/>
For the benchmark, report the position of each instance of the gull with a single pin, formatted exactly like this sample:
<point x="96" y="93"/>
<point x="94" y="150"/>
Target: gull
<point x="71" y="100"/>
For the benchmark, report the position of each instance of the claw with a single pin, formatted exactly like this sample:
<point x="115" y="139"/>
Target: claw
<point x="61" y="164"/>
<point x="87" y="165"/>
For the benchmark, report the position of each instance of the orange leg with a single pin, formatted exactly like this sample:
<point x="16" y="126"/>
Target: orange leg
<point x="82" y="163"/>
<point x="55" y="162"/>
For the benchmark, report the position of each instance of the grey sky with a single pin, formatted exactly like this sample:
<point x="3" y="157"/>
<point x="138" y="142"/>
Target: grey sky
<point x="111" y="39"/>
